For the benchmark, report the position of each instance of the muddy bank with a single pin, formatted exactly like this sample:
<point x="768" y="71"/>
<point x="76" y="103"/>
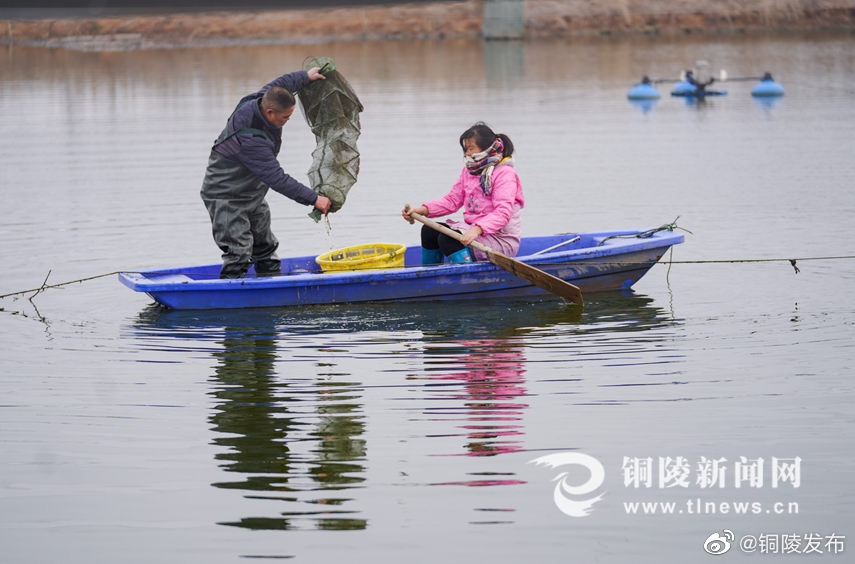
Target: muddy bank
<point x="464" y="18"/>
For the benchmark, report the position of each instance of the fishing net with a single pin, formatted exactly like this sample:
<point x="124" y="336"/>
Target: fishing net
<point x="332" y="110"/>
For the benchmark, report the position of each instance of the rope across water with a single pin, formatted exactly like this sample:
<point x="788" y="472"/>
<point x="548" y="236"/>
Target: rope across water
<point x="640" y="235"/>
<point x="793" y="262"/>
<point x="46" y="286"/>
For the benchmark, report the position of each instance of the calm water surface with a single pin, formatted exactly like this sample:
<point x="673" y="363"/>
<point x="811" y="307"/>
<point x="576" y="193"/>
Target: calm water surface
<point x="381" y="433"/>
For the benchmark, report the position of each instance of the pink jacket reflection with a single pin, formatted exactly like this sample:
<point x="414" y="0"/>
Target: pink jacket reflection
<point x="494" y="379"/>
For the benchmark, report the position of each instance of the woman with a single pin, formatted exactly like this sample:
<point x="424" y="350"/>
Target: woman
<point x="490" y="192"/>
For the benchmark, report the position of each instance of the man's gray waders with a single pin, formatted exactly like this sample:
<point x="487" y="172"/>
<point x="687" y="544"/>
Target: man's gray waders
<point x="240" y="216"/>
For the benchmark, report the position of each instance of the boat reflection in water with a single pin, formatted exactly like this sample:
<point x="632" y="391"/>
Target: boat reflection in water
<point x="289" y="387"/>
<point x="290" y="433"/>
<point x="474" y="378"/>
<point x="263" y="420"/>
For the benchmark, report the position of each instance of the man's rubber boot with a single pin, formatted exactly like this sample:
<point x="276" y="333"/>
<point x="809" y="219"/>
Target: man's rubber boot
<point x="431" y="256"/>
<point x="460" y="257"/>
<point x="268" y="267"/>
<point x="234" y="270"/>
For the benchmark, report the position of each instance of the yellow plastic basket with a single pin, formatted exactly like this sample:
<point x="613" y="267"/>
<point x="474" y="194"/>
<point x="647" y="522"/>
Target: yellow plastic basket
<point x="363" y="257"/>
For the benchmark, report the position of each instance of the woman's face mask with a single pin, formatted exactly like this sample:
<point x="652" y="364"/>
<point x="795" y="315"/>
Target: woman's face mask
<point x="471" y="151"/>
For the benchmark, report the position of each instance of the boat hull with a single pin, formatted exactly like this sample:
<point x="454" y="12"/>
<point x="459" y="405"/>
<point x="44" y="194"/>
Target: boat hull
<point x="598" y="262"/>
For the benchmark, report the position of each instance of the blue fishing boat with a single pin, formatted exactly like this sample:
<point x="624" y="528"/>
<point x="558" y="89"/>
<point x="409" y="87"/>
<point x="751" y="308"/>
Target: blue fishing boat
<point x="595" y="261"/>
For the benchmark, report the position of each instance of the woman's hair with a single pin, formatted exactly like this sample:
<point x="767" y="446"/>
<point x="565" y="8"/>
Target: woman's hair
<point x="484" y="137"/>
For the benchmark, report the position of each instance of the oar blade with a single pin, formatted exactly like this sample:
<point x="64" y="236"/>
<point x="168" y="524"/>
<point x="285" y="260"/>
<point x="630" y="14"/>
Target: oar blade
<point x="537" y="277"/>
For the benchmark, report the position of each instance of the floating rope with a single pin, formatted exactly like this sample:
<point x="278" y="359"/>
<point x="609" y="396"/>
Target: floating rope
<point x="792" y="261"/>
<point x="673" y="225"/>
<point x="45" y="285"/>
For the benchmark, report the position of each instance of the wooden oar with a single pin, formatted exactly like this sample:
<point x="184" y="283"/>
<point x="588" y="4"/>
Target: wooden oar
<point x="535" y="276"/>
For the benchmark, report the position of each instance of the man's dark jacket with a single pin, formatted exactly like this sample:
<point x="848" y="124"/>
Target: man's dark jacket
<point x="256" y="150"/>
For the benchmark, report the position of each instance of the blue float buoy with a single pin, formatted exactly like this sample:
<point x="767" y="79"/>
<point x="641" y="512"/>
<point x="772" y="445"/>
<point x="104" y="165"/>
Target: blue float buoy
<point x="683" y="88"/>
<point x="644" y="90"/>
<point x="767" y="87"/>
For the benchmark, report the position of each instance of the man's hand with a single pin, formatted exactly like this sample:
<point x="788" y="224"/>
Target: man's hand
<point x="315" y="74"/>
<point x="323" y="204"/>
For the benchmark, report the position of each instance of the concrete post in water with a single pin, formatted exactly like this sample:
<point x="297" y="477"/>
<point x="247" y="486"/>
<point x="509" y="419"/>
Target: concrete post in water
<point x="503" y="19"/>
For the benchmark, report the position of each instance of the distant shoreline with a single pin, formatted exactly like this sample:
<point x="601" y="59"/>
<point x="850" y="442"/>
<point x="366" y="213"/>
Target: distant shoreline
<point x="410" y="20"/>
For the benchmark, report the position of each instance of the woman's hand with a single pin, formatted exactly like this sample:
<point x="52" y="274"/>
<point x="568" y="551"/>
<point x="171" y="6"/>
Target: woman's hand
<point x="470" y="235"/>
<point x="407" y="212"/>
<point x="315" y="74"/>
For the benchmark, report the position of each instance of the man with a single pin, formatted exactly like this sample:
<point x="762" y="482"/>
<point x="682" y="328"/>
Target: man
<point x="241" y="169"/>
